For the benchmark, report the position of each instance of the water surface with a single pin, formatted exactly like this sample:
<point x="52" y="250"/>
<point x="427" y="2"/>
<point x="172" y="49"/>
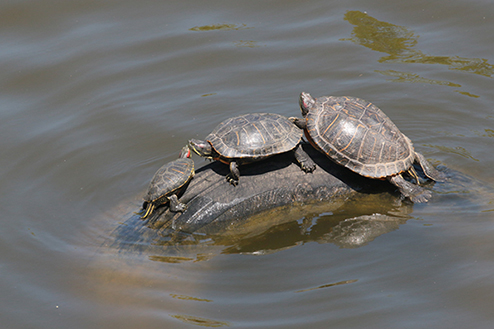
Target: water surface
<point x="95" y="97"/>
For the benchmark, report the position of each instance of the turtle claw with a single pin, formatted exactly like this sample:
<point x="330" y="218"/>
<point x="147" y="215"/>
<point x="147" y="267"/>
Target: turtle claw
<point x="230" y="179"/>
<point x="308" y="166"/>
<point x="421" y="197"/>
<point x="304" y="160"/>
<point x="179" y="208"/>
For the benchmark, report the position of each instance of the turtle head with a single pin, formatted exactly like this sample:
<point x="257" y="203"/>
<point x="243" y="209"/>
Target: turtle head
<point x="201" y="148"/>
<point x="185" y="152"/>
<point x="306" y="102"/>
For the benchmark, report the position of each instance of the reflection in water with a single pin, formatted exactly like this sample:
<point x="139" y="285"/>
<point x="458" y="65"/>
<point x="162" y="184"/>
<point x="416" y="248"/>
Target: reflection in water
<point x="170" y="259"/>
<point x="215" y="27"/>
<point x="359" y="231"/>
<point x="190" y="319"/>
<point x="399" y="43"/>
<point x="347" y="226"/>
<point x="180" y="281"/>
<point x="384" y="37"/>
<point x="195" y="299"/>
<point x="328" y="285"/>
<point x="453" y="150"/>
<point x="486" y="133"/>
<point x="467" y="94"/>
<point x="411" y="77"/>
<point x="246" y="43"/>
<point x="176" y="259"/>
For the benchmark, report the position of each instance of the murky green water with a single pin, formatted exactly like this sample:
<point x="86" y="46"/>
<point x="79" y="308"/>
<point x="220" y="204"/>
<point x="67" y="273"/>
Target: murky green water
<point x="94" y="97"/>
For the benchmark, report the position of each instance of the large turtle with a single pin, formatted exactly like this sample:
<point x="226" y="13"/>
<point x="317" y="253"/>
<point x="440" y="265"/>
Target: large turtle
<point x="358" y="135"/>
<point x="252" y="137"/>
<point x="171" y="179"/>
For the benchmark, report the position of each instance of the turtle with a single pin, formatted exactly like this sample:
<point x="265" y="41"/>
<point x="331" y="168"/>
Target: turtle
<point x="168" y="182"/>
<point x="252" y="137"/>
<point x="359" y="136"/>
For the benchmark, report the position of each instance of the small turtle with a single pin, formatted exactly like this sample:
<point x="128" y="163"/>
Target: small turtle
<point x="358" y="135"/>
<point x="252" y="137"/>
<point x="171" y="179"/>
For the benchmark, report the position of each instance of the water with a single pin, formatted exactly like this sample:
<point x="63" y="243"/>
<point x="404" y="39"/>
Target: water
<point x="95" y="97"/>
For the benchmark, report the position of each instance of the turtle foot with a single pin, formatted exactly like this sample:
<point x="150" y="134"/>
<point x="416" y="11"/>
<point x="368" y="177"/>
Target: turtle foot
<point x="414" y="192"/>
<point x="175" y="205"/>
<point x="232" y="180"/>
<point x="422" y="197"/>
<point x="304" y="160"/>
<point x="308" y="166"/>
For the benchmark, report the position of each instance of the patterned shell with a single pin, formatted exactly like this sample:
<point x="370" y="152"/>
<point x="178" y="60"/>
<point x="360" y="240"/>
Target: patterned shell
<point x="255" y="135"/>
<point x="359" y="136"/>
<point x="170" y="178"/>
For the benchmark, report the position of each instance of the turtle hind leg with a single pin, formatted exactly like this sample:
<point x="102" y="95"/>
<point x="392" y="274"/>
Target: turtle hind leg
<point x="306" y="163"/>
<point x="414" y="192"/>
<point x="428" y="169"/>
<point x="175" y="205"/>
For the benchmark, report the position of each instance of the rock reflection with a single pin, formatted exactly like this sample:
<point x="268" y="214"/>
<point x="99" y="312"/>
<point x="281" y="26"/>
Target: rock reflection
<point x="399" y="43"/>
<point x="332" y="228"/>
<point x="359" y="231"/>
<point x="170" y="259"/>
<point x="351" y="224"/>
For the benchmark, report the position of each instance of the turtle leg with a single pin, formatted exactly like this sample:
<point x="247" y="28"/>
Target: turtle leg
<point x="301" y="123"/>
<point x="175" y="205"/>
<point x="234" y="174"/>
<point x="428" y="169"/>
<point x="414" y="192"/>
<point x="306" y="163"/>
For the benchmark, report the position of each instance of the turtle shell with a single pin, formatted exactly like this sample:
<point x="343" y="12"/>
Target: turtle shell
<point x="169" y="179"/>
<point x="359" y="136"/>
<point x="254" y="136"/>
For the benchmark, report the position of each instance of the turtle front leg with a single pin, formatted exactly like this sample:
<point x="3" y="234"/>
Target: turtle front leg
<point x="175" y="205"/>
<point x="234" y="174"/>
<point x="305" y="161"/>
<point x="414" y="192"/>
